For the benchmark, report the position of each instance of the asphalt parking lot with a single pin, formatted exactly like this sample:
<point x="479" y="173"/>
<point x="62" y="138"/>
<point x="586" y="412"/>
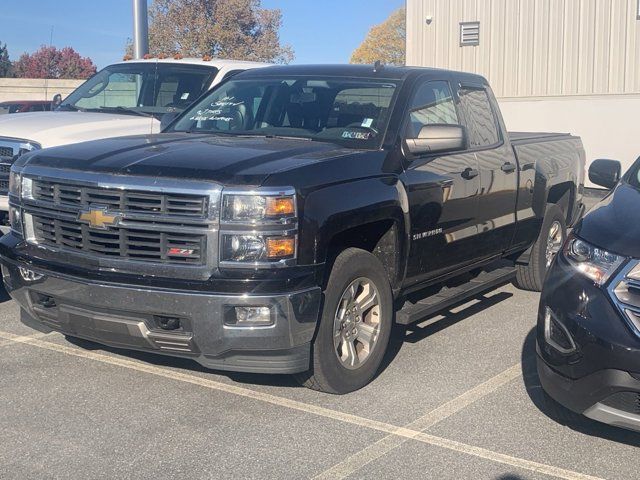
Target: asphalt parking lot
<point x="458" y="398"/>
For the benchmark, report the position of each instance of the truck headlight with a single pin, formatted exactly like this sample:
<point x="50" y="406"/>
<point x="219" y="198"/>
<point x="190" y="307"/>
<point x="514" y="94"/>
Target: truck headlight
<point x="593" y="262"/>
<point x="20" y="186"/>
<point x="255" y="208"/>
<point x="15" y="180"/>
<point x="257" y="248"/>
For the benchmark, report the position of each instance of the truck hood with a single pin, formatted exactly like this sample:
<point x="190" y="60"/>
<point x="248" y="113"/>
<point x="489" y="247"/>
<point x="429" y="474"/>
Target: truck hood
<point x="51" y="129"/>
<point x="226" y="160"/>
<point x="614" y="223"/>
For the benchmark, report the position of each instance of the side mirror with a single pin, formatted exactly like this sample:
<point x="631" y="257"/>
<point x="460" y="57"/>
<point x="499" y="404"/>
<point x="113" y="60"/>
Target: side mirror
<point x="438" y="138"/>
<point x="167" y="118"/>
<point x="605" y="173"/>
<point x="57" y="100"/>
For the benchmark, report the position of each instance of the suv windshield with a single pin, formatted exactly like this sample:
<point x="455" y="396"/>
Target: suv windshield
<point x="141" y="88"/>
<point x="350" y="111"/>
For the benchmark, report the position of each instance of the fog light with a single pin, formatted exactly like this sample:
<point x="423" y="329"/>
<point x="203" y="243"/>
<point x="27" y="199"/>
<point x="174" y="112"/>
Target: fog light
<point x="556" y="334"/>
<point x="249" y="317"/>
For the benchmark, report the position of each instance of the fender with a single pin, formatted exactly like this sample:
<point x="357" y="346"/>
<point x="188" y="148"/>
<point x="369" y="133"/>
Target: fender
<point x="340" y="207"/>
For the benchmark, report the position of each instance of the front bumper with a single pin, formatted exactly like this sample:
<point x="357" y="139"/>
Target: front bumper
<point x="607" y="396"/>
<point x="600" y="376"/>
<point x="128" y="317"/>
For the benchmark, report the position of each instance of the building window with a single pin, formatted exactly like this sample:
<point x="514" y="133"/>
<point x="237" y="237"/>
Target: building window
<point x="638" y="11"/>
<point x="470" y="33"/>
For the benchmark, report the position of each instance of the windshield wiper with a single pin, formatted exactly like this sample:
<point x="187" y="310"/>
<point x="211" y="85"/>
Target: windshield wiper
<point x="71" y="108"/>
<point x="125" y="110"/>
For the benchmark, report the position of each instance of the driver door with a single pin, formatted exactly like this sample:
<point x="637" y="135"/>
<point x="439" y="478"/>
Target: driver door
<point x="442" y="189"/>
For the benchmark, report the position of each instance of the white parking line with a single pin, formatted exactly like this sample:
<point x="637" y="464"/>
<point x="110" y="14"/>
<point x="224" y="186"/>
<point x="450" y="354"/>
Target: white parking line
<point x="307" y="408"/>
<point x="21" y="339"/>
<point x="390" y="442"/>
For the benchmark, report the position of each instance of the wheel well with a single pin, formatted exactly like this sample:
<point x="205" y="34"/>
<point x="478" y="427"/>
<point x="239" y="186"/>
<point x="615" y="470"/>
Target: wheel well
<point x="562" y="195"/>
<point x="379" y="238"/>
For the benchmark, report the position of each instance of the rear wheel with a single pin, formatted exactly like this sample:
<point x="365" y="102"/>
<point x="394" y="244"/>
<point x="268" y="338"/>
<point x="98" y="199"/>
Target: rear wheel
<point x="549" y="242"/>
<point x="355" y="325"/>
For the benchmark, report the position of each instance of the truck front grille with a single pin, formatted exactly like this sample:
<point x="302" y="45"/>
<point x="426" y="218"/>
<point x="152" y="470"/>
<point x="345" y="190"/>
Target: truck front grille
<point x="125" y="224"/>
<point x="6" y="153"/>
<point x="147" y="245"/>
<point x="121" y="200"/>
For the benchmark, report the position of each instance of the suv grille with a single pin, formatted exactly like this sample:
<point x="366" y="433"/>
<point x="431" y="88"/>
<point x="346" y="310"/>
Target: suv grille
<point x="625" y="401"/>
<point x="6" y="153"/>
<point x="121" y="200"/>
<point x="135" y="244"/>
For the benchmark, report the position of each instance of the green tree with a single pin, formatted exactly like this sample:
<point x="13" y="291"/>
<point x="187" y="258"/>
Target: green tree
<point x="385" y="42"/>
<point x="230" y="29"/>
<point x="5" y="63"/>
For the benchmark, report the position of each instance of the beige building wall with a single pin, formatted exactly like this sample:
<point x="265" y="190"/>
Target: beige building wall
<point x="532" y="47"/>
<point x="35" y="89"/>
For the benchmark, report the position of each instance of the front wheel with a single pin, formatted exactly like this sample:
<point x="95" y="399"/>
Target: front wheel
<point x="355" y="325"/>
<point x="552" y="236"/>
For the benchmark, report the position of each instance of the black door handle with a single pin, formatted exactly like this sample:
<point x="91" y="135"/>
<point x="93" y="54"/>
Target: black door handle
<point x="470" y="173"/>
<point x="508" y="167"/>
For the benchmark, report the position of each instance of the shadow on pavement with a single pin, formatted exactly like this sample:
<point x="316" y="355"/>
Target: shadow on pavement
<point x="4" y="296"/>
<point x="557" y="412"/>
<point x="187" y="364"/>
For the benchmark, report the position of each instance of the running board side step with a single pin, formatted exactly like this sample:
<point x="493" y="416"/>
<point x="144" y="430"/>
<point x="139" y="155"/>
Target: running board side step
<point x="449" y="297"/>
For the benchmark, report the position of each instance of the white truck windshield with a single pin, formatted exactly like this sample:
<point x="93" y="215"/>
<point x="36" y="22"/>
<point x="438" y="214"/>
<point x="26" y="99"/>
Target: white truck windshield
<point x="141" y="88"/>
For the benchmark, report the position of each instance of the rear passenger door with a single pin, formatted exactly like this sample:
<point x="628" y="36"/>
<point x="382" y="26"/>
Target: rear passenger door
<point x="498" y="169"/>
<point x="442" y="190"/>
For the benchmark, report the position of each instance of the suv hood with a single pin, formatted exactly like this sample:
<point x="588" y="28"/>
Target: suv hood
<point x="614" y="223"/>
<point x="227" y="160"/>
<point x="51" y="129"/>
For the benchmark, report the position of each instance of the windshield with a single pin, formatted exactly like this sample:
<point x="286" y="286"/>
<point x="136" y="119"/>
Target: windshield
<point x="141" y="88"/>
<point x="352" y="112"/>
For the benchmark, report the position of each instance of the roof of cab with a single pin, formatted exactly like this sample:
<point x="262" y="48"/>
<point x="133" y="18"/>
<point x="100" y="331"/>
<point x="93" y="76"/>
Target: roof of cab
<point x="215" y="62"/>
<point x="362" y="71"/>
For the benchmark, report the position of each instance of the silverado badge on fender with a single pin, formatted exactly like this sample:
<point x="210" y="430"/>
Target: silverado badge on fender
<point x="98" y="218"/>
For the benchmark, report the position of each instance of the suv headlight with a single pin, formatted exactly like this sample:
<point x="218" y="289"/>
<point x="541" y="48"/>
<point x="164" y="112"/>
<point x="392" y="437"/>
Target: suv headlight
<point x="258" y="228"/>
<point x="593" y="262"/>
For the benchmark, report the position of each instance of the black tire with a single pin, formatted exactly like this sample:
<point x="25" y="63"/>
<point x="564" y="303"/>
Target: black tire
<point x="327" y="373"/>
<point x="531" y="276"/>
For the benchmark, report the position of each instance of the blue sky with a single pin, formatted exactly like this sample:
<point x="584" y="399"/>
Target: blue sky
<point x="322" y="31"/>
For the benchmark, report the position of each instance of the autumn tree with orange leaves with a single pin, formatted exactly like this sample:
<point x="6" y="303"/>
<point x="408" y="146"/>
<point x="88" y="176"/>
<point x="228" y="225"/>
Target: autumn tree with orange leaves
<point x="385" y="42"/>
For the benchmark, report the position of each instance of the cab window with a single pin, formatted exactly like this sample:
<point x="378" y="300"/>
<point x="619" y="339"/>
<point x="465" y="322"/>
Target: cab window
<point x="432" y="104"/>
<point x="482" y="128"/>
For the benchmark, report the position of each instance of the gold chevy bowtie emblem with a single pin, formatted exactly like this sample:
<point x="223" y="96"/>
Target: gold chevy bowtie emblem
<point x="98" y="218"/>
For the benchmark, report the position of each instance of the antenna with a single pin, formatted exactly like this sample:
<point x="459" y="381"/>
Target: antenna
<point x="378" y="66"/>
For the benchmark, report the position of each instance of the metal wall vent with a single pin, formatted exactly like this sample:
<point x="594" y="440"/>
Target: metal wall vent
<point x="469" y="34"/>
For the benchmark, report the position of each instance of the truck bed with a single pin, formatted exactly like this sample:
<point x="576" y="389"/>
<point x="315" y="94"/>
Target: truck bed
<point x="523" y="138"/>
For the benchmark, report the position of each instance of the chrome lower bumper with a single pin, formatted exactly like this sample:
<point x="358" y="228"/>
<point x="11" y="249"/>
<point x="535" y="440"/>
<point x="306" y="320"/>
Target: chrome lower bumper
<point x="127" y="317"/>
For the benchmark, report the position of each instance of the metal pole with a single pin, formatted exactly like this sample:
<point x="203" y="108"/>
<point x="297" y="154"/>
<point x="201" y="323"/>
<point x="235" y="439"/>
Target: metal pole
<point x="140" y="29"/>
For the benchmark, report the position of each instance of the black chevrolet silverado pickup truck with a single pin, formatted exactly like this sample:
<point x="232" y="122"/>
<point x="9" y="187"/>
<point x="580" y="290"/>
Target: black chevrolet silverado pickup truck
<point x="286" y="220"/>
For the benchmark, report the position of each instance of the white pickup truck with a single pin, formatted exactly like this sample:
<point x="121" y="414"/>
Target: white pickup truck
<point x="126" y="98"/>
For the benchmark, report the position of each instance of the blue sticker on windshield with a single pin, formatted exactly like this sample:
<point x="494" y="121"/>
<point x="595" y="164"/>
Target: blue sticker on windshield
<point x="353" y="135"/>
